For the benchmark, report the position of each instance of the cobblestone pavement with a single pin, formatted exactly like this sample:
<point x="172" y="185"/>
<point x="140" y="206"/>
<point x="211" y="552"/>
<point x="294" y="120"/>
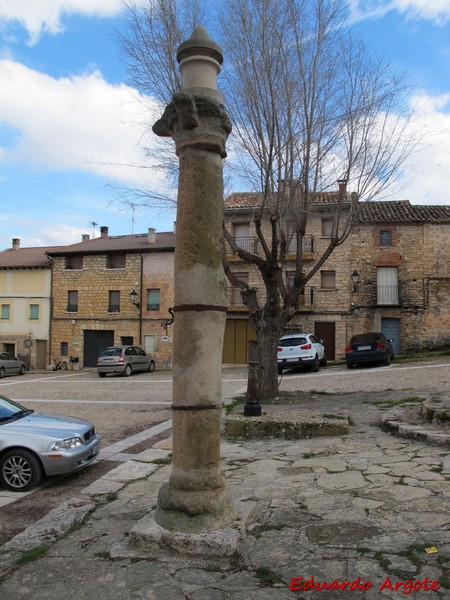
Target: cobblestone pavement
<point x="367" y="511"/>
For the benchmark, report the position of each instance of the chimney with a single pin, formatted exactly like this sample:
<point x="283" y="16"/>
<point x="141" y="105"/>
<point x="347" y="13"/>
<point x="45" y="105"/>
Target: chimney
<point x="174" y="226"/>
<point x="16" y="244"/>
<point x="342" y="186"/>
<point x="103" y="232"/>
<point x="84" y="237"/>
<point x="151" y="235"/>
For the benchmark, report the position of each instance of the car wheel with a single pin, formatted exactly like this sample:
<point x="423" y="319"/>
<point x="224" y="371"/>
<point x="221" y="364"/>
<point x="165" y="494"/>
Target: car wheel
<point x="349" y="366"/>
<point x="151" y="367"/>
<point x="280" y="370"/>
<point x="315" y="365"/>
<point x="127" y="371"/>
<point x="2" y="373"/>
<point x="102" y="374"/>
<point x="63" y="366"/>
<point x="22" y="370"/>
<point x="323" y="362"/>
<point x="387" y="362"/>
<point x="19" y="470"/>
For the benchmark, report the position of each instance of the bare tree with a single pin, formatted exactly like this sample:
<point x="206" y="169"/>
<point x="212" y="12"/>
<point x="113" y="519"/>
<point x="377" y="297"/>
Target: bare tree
<point x="153" y="31"/>
<point x="309" y="105"/>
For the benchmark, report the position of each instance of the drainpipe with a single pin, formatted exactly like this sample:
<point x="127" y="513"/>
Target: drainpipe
<point x="50" y="321"/>
<point x="140" y="303"/>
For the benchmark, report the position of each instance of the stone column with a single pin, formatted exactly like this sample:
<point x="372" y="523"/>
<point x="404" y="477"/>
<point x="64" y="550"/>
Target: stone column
<point x="195" y="499"/>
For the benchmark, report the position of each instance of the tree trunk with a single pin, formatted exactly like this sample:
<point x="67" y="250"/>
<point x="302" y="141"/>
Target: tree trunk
<point x="268" y="334"/>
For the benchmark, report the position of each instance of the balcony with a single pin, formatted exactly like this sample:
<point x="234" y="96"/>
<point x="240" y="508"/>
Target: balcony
<point x="306" y="300"/>
<point x="252" y="245"/>
<point x="307" y="247"/>
<point x="235" y="299"/>
<point x="114" y="308"/>
<point x="387" y="295"/>
<point x="249" y="244"/>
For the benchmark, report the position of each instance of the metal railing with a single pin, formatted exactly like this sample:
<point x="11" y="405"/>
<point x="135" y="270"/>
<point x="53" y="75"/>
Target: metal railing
<point x="387" y="294"/>
<point x="307" y="245"/>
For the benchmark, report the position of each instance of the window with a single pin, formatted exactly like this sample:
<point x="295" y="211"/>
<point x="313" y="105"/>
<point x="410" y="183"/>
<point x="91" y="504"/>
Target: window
<point x="116" y="261"/>
<point x="74" y="262"/>
<point x="34" y="311"/>
<point x="114" y="301"/>
<point x="241" y="234"/>
<point x="64" y="348"/>
<point x="387" y="285"/>
<point x="6" y="311"/>
<point x="72" y="301"/>
<point x="126" y="340"/>
<point x="327" y="227"/>
<point x="290" y="276"/>
<point x="385" y="237"/>
<point x="153" y="299"/>
<point x="327" y="280"/>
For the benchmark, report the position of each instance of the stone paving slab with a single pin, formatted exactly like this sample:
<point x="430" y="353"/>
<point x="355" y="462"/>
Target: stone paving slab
<point x="362" y="506"/>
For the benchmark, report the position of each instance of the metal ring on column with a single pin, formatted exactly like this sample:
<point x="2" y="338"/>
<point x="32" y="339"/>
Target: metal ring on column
<point x="200" y="307"/>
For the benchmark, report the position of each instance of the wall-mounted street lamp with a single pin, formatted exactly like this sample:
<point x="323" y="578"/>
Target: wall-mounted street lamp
<point x="134" y="298"/>
<point x="355" y="279"/>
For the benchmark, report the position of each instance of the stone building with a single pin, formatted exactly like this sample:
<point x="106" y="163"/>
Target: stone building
<point x="112" y="290"/>
<point x="325" y="304"/>
<point x="399" y="253"/>
<point x="25" y="282"/>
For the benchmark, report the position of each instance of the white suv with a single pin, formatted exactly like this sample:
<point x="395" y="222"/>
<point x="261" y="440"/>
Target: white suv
<point x="301" y="350"/>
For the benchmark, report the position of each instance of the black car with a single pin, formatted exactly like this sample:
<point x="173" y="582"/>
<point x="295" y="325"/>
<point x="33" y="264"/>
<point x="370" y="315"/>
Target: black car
<point x="373" y="347"/>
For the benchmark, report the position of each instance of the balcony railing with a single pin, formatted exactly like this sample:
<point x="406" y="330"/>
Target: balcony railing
<point x="387" y="294"/>
<point x="252" y="245"/>
<point x="235" y="297"/>
<point x="307" y="245"/>
<point x="249" y="244"/>
<point x="114" y="308"/>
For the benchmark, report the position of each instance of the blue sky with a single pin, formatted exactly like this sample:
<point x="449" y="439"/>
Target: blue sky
<point x="70" y="126"/>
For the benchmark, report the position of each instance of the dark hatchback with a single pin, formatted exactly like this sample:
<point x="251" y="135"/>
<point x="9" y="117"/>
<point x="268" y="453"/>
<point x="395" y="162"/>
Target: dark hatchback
<point x="365" y="348"/>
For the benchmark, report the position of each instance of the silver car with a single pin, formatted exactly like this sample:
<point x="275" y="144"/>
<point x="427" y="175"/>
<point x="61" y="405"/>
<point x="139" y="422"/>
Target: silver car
<point x="35" y="444"/>
<point x="301" y="350"/>
<point x="124" y="360"/>
<point x="9" y="365"/>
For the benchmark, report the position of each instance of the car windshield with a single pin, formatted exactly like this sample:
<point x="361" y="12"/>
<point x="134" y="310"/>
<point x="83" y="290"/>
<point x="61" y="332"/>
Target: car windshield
<point x="112" y="352"/>
<point x="365" y="338"/>
<point x="10" y="410"/>
<point x="297" y="341"/>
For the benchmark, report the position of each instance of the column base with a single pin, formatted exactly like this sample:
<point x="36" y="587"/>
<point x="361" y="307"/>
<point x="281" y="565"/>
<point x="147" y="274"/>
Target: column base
<point x="194" y="511"/>
<point x="148" y="535"/>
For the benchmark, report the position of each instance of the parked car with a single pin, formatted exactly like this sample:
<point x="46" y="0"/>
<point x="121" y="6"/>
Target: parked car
<point x="9" y="365"/>
<point x="35" y="444"/>
<point x="125" y="360"/>
<point x="301" y="350"/>
<point x="373" y="347"/>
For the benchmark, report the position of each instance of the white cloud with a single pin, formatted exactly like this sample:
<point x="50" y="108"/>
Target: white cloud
<point x="427" y="179"/>
<point x="39" y="16"/>
<point x="437" y="11"/>
<point x="78" y="123"/>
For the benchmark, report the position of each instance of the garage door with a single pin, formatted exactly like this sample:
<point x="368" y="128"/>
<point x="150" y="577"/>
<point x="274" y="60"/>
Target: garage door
<point x="94" y="343"/>
<point x="238" y="332"/>
<point x="391" y="329"/>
